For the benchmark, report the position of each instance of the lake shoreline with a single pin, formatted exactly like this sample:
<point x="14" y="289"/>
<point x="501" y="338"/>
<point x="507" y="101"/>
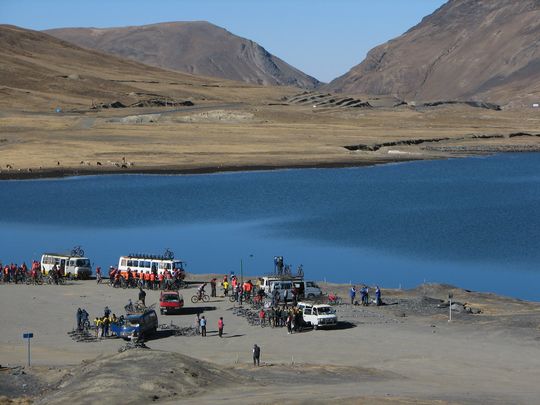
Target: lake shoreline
<point x="172" y="170"/>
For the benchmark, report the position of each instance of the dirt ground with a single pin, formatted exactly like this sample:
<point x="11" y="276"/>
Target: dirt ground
<point x="401" y="353"/>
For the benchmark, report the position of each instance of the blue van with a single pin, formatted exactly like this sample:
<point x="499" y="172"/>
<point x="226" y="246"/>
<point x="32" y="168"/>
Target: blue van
<point x="136" y="324"/>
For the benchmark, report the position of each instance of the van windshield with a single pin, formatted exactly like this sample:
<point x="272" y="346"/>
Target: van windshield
<point x="326" y="310"/>
<point x="83" y="263"/>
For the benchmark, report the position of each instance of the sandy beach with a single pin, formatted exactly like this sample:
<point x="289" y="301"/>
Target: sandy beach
<point x="404" y="352"/>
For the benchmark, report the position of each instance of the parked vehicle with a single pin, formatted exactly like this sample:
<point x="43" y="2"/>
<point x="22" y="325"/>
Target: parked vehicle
<point x="318" y="315"/>
<point x="136" y="325"/>
<point x="170" y="302"/>
<point x="77" y="266"/>
<point x="284" y="289"/>
<point x="307" y="289"/>
<point x="139" y="262"/>
<point x="266" y="283"/>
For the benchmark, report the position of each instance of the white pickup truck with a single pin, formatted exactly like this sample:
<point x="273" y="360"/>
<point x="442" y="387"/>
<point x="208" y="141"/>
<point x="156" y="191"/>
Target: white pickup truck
<point x="318" y="315"/>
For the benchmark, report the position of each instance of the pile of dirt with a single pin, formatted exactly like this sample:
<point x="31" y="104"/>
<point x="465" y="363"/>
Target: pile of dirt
<point x="151" y="375"/>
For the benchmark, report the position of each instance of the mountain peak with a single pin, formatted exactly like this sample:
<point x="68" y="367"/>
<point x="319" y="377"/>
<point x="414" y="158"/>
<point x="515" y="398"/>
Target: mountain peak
<point x="196" y="47"/>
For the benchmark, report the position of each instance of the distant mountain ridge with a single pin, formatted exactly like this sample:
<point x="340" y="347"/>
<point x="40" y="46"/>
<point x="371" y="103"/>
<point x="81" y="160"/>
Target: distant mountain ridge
<point x="485" y="50"/>
<point x="196" y="47"/>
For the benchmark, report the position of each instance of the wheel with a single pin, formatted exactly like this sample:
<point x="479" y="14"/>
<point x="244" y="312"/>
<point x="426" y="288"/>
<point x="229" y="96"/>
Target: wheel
<point x="205" y="298"/>
<point x="194" y="299"/>
<point x="232" y="299"/>
<point x="161" y="311"/>
<point x="310" y="296"/>
<point x="315" y="327"/>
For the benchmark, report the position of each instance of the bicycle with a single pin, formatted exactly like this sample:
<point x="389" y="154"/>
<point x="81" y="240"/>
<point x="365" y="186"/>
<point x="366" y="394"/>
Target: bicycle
<point x="77" y="251"/>
<point x="200" y="298"/>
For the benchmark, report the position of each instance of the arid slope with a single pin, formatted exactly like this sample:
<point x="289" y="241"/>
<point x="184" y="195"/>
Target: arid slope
<point x="483" y="50"/>
<point x="41" y="72"/>
<point x="195" y="47"/>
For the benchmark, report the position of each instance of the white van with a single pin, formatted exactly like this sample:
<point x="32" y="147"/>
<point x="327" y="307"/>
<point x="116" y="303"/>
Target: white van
<point x="319" y="315"/>
<point x="266" y="283"/>
<point x="284" y="288"/>
<point x="77" y="266"/>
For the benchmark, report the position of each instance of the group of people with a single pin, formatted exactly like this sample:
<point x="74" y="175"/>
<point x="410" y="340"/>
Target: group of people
<point x="201" y="322"/>
<point x="102" y="323"/>
<point x="364" y="295"/>
<point x="13" y="273"/>
<point x="276" y="316"/>
<point x="151" y="280"/>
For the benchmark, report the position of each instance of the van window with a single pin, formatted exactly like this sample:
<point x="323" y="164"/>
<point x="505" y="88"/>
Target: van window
<point x="146" y="264"/>
<point x="312" y="284"/>
<point x="123" y="262"/>
<point x="83" y="263"/>
<point x="307" y="311"/>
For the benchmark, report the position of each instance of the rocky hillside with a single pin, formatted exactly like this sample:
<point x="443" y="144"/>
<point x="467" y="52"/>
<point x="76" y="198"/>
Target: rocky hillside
<point x="198" y="48"/>
<point x="466" y="50"/>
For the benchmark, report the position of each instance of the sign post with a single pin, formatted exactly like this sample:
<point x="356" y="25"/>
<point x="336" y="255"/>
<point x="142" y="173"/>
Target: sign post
<point x="28" y="336"/>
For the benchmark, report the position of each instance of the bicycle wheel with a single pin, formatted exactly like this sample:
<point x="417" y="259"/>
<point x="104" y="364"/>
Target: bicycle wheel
<point x="194" y="299"/>
<point x="205" y="298"/>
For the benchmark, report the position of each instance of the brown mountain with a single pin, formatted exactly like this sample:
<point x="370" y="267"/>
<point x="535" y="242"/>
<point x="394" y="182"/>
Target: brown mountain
<point x="38" y="71"/>
<point x="195" y="47"/>
<point x="466" y="50"/>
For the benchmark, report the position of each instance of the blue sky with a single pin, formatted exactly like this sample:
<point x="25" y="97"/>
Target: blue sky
<point x="322" y="38"/>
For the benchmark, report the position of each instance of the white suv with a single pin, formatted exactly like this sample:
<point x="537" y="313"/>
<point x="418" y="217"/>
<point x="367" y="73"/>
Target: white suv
<point x="318" y="315"/>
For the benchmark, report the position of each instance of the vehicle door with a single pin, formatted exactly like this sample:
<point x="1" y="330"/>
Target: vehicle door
<point x="308" y="315"/>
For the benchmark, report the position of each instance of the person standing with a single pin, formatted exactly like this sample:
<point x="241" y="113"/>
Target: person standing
<point x="142" y="296"/>
<point x="352" y="294"/>
<point x="98" y="275"/>
<point x="256" y="355"/>
<point x="225" y="288"/>
<point x="79" y="319"/>
<point x="198" y="324"/>
<point x="220" y="325"/>
<point x="213" y="286"/>
<point x="203" y="326"/>
<point x="378" y="300"/>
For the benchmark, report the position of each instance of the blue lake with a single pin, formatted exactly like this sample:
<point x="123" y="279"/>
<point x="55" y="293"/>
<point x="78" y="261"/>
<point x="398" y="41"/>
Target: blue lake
<point x="471" y="222"/>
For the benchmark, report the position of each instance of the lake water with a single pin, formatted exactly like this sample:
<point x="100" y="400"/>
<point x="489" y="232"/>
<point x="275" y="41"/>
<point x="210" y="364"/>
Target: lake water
<point x="471" y="222"/>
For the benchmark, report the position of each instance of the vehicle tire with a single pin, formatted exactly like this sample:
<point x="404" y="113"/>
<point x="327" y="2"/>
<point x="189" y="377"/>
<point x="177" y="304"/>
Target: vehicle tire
<point x="315" y="327"/>
<point x="205" y="298"/>
<point x="310" y="296"/>
<point x="194" y="299"/>
<point x="231" y="298"/>
<point x="161" y="311"/>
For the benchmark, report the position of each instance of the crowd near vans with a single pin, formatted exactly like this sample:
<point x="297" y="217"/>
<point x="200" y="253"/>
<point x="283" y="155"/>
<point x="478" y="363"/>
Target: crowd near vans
<point x="318" y="315"/>
<point x="77" y="266"/>
<point x="306" y="289"/>
<point x="149" y="263"/>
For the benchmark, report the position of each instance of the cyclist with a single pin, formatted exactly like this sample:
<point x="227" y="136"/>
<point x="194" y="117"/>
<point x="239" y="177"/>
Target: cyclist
<point x="200" y="290"/>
